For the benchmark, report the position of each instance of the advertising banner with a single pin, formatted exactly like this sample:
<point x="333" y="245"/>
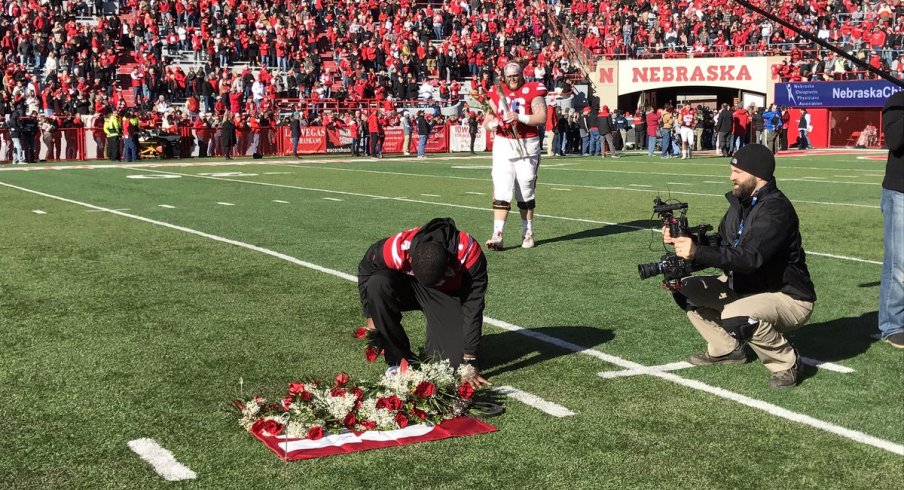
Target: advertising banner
<point x="338" y="140"/>
<point x="460" y="139"/>
<point x="848" y="93"/>
<point x="437" y="142"/>
<point x="746" y="73"/>
<point x="312" y="141"/>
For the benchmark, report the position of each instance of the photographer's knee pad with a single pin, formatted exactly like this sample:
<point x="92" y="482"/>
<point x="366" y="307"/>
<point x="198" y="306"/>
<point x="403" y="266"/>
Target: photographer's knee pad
<point x="506" y="205"/>
<point x="527" y="205"/>
<point x="740" y="327"/>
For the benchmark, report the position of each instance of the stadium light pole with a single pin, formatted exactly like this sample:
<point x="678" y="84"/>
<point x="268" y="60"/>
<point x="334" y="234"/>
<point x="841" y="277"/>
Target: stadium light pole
<point x="811" y="37"/>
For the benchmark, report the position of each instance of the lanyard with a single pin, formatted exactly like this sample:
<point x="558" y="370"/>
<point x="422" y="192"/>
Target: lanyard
<point x="737" y="240"/>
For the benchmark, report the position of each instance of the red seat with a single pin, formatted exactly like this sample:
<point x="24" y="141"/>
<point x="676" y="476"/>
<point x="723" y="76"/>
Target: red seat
<point x="853" y="139"/>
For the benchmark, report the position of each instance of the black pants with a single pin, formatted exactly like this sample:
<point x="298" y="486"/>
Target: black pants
<point x="374" y="140"/>
<point x="202" y="148"/>
<point x="356" y="143"/>
<point x="113" y="148"/>
<point x="473" y="139"/>
<point x="725" y="140"/>
<point x="389" y="293"/>
<point x="28" y="147"/>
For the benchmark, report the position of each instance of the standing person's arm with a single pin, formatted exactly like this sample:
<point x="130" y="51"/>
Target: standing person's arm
<point x="893" y="123"/>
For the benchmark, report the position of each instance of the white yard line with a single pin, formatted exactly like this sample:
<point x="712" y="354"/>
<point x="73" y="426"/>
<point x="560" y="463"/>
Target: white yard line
<point x="639" y="185"/>
<point x="225" y="204"/>
<point x="775" y="410"/>
<point x="281" y="202"/>
<point x="167" y="206"/>
<point x="476" y="193"/>
<point x="561" y="189"/>
<point x="38" y="211"/>
<point x="535" y="401"/>
<point x="828" y="366"/>
<point x="163" y="461"/>
<point x="462" y="206"/>
<point x="332" y="199"/>
<point x="431" y="195"/>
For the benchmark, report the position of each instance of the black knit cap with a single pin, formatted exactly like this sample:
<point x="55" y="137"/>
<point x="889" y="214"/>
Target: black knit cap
<point x="756" y="160"/>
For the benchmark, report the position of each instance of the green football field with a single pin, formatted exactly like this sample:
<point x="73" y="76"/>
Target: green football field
<point x="132" y="300"/>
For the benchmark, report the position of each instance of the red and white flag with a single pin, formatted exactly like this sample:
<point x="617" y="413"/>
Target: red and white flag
<point x="350" y="442"/>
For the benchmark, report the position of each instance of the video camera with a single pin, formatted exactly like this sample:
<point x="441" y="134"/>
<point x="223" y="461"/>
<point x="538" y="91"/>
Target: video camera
<point x="672" y="267"/>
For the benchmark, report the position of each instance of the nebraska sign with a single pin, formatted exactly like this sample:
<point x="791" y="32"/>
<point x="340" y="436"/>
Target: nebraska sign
<point x="742" y="73"/>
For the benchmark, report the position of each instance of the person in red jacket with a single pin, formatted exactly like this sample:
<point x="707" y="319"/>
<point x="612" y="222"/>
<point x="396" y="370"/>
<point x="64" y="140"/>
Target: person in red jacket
<point x="374" y="127"/>
<point x="739" y="128"/>
<point x="438" y="270"/>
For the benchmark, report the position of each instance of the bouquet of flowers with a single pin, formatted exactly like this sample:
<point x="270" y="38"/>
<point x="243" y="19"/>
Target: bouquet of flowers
<point x="431" y="393"/>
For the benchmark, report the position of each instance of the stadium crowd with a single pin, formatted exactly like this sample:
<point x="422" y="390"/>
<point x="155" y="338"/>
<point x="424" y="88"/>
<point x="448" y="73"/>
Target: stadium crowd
<point x="67" y="63"/>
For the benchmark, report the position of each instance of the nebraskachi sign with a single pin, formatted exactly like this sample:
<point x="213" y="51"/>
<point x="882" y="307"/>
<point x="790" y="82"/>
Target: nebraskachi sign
<point x="853" y="93"/>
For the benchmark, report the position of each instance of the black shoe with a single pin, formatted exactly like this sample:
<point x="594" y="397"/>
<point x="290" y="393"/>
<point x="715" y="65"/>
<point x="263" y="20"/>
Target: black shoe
<point x="896" y="339"/>
<point x="736" y="356"/>
<point x="787" y="378"/>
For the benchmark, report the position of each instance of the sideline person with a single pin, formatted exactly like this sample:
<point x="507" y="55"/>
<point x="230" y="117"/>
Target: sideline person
<point x="438" y="270"/>
<point x="518" y="108"/>
<point x="765" y="289"/>
<point x="891" y="289"/>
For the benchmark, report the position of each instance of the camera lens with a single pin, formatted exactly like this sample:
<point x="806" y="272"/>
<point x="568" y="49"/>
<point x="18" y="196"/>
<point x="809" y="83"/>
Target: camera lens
<point x="647" y="271"/>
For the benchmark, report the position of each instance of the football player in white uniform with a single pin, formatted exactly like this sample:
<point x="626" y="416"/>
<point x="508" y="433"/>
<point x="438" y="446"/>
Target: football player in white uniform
<point x="688" y="117"/>
<point x="518" y="108"/>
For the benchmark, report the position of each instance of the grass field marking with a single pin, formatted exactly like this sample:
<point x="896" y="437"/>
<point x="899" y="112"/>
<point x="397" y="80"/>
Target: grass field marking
<point x="677" y="183"/>
<point x="639" y="185"/>
<point x="332" y="199"/>
<point x="535" y="401"/>
<point x="431" y="195"/>
<point x="672" y="174"/>
<point x="163" y="461"/>
<point x="828" y="366"/>
<point x="562" y="189"/>
<point x="221" y="203"/>
<point x="564" y="344"/>
<point x="167" y="206"/>
<point x="462" y="206"/>
<point x="726" y="182"/>
<point x="281" y="201"/>
<point x="713" y="182"/>
<point x="476" y="193"/>
<point x="103" y="210"/>
<point x="38" y="211"/>
<point x="777" y="411"/>
<point x="636" y="372"/>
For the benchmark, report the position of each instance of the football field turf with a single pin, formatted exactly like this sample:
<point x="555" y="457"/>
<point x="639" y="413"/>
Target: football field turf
<point x="132" y="300"/>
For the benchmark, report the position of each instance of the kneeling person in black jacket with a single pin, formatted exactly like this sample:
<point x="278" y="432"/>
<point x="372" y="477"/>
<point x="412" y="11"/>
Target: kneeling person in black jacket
<point x="434" y="268"/>
<point x="766" y="289"/>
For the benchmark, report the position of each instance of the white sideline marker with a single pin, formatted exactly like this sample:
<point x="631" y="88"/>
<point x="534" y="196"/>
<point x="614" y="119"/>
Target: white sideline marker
<point x="534" y="401"/>
<point x="677" y="183"/>
<point x="561" y="189"/>
<point x="167" y="206"/>
<point x="775" y="410"/>
<point x="476" y="193"/>
<point x="431" y="195"/>
<point x="225" y="204"/>
<point x="331" y="199"/>
<point x="38" y="211"/>
<point x="639" y="185"/>
<point x="828" y="366"/>
<point x="281" y="202"/>
<point x="712" y="182"/>
<point x="163" y="461"/>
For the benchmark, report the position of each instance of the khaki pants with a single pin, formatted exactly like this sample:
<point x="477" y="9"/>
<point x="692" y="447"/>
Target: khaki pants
<point x="777" y="313"/>
<point x="406" y="144"/>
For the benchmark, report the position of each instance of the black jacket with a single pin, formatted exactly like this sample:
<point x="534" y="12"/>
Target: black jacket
<point x="723" y="123"/>
<point x="893" y="124"/>
<point x="227" y="133"/>
<point x="423" y="127"/>
<point x="769" y="256"/>
<point x="468" y="282"/>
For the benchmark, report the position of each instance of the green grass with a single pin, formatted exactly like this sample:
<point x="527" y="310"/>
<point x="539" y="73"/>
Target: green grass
<point x="113" y="329"/>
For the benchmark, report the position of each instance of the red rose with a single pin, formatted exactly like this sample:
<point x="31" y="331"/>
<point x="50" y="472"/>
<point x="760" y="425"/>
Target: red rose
<point x="306" y="396"/>
<point x="394" y="403"/>
<point x="419" y="413"/>
<point x="337" y="392"/>
<point x="296" y="388"/>
<point x="369" y="425"/>
<point x="465" y="391"/>
<point x="258" y="426"/>
<point x="401" y="420"/>
<point x="315" y="433"/>
<point x="381" y="402"/>
<point x="371" y="354"/>
<point x="360" y="333"/>
<point x="287" y="401"/>
<point x="341" y="379"/>
<point x="350" y="420"/>
<point x="425" y="389"/>
<point x="273" y="427"/>
<point x="359" y="394"/>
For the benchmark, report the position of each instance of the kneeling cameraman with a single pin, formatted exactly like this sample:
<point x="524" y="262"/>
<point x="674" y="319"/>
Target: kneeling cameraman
<point x="766" y="289"/>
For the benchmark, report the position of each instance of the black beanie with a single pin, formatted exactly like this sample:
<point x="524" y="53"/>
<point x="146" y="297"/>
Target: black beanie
<point x="756" y="160"/>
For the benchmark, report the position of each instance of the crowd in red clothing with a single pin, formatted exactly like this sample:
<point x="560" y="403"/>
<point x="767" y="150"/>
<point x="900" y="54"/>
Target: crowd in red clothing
<point x="655" y="28"/>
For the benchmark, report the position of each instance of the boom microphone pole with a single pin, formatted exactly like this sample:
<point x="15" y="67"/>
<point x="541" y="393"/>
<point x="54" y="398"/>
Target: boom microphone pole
<point x="810" y="37"/>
